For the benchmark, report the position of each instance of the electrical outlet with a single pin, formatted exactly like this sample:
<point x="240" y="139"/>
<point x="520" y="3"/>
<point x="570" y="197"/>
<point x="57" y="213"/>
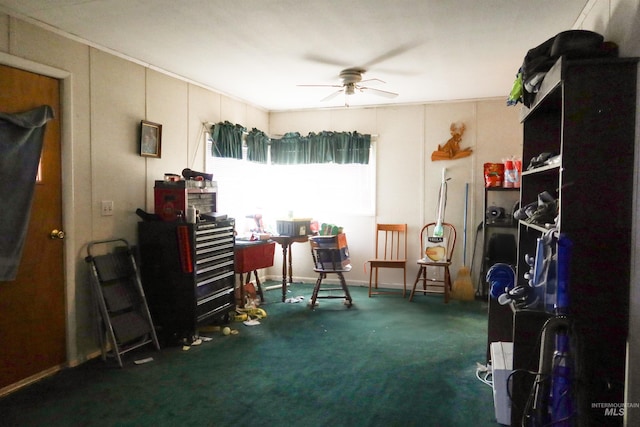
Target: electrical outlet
<point x="107" y="207"/>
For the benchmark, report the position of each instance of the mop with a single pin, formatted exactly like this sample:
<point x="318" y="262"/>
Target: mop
<point x="462" y="287"/>
<point x="438" y="231"/>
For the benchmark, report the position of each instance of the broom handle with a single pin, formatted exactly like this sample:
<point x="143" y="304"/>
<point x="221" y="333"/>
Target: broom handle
<point x="464" y="226"/>
<point x="441" y="199"/>
<point x="438" y="229"/>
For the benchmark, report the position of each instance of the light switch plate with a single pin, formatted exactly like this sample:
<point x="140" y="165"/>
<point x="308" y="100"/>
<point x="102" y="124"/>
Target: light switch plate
<point x="107" y="208"/>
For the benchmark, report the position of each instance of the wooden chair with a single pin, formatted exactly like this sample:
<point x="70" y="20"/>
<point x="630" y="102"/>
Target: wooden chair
<point x="440" y="280"/>
<point x="330" y="255"/>
<point x="391" y="252"/>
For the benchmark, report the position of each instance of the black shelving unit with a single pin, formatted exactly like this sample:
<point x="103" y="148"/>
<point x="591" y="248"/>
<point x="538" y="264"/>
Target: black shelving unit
<point x="499" y="230"/>
<point x="499" y="233"/>
<point x="585" y="112"/>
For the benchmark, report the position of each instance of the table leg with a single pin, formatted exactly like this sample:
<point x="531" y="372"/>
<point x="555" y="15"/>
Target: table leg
<point x="284" y="272"/>
<point x="255" y="272"/>
<point x="290" y="264"/>
<point x="242" y="299"/>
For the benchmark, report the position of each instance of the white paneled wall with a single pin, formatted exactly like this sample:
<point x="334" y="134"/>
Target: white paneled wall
<point x="407" y="180"/>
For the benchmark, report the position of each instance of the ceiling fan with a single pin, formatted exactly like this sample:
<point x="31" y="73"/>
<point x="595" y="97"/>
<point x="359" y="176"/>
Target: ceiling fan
<point x="351" y="83"/>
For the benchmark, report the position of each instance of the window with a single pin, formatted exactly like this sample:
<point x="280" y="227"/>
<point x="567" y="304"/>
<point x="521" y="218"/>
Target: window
<point x="319" y="191"/>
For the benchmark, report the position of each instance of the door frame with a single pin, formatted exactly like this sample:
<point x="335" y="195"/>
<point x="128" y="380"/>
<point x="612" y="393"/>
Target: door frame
<point x="67" y="184"/>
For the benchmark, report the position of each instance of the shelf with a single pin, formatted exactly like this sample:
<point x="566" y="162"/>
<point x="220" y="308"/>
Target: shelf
<point x="510" y="224"/>
<point x="534" y="226"/>
<point x="502" y="188"/>
<point x="541" y="169"/>
<point x="551" y="81"/>
<point x="555" y="77"/>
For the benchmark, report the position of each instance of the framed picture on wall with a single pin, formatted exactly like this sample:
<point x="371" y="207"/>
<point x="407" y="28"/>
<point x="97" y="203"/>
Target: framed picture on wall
<point x="150" y="139"/>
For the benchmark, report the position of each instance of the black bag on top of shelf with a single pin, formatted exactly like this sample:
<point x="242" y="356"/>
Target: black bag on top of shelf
<point x="572" y="44"/>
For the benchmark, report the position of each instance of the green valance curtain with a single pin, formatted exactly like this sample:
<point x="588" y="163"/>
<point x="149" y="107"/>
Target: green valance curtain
<point x="227" y="140"/>
<point x="323" y="147"/>
<point x="292" y="148"/>
<point x="352" y="148"/>
<point x="257" y="146"/>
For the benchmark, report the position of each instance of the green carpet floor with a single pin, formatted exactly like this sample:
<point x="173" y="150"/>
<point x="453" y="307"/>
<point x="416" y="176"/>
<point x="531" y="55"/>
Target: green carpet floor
<point x="383" y="362"/>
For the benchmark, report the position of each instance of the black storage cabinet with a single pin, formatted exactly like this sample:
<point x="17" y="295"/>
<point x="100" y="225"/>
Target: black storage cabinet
<point x="188" y="275"/>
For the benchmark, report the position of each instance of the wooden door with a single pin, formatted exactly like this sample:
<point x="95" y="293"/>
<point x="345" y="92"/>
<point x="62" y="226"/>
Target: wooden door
<point x="32" y="308"/>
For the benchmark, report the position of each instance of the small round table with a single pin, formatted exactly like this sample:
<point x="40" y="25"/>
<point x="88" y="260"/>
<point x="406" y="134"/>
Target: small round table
<point x="286" y="242"/>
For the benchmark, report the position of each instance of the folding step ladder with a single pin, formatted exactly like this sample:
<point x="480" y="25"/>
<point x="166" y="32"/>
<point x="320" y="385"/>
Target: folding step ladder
<point x="125" y="322"/>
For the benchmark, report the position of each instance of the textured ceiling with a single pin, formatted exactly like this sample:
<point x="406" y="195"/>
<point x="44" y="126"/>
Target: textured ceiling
<point x="259" y="51"/>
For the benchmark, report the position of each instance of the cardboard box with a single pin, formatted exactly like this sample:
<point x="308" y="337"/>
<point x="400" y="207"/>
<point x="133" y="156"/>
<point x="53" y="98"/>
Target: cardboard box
<point x="502" y="366"/>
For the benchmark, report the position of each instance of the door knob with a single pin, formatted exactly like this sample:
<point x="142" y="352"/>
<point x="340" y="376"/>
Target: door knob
<point x="57" y="234"/>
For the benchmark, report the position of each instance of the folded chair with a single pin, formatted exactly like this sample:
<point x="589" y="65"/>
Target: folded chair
<point x="435" y="275"/>
<point x="391" y="252"/>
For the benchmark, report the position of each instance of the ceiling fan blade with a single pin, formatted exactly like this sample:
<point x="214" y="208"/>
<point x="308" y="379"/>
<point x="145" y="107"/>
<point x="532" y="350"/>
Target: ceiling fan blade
<point x="331" y="96"/>
<point x="378" y="92"/>
<point x="372" y="80"/>
<point x="391" y="54"/>
<point x="368" y="64"/>
<point x="324" y="60"/>
<point x="319" y="85"/>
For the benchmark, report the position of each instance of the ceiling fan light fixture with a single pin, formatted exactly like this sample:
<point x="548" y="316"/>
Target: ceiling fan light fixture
<point x="349" y="89"/>
<point x="350" y="79"/>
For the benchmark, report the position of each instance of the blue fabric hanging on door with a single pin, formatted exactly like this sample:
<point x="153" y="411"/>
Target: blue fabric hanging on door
<point x="21" y="138"/>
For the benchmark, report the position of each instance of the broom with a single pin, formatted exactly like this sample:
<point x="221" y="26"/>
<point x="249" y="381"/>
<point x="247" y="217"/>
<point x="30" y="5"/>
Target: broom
<point x="462" y="287"/>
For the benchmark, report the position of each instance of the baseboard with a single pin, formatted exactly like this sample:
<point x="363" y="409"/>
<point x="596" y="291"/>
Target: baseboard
<point x="87" y="357"/>
<point x="329" y="279"/>
<point x="46" y="373"/>
<point x="30" y="380"/>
